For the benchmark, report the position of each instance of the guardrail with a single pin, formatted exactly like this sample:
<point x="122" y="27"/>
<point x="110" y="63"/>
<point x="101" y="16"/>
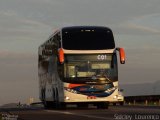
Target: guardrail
<point x="153" y="100"/>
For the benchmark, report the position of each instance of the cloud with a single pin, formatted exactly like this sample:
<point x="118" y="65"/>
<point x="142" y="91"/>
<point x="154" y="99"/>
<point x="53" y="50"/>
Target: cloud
<point x="8" y="13"/>
<point x="140" y="25"/>
<point x="15" y="25"/>
<point x="146" y="23"/>
<point x="146" y="29"/>
<point x="18" y="33"/>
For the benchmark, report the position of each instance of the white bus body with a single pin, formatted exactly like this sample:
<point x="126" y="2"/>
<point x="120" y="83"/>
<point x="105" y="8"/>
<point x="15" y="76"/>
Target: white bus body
<point x="71" y="72"/>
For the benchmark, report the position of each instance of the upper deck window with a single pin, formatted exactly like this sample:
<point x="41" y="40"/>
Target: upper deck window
<point x="83" y="38"/>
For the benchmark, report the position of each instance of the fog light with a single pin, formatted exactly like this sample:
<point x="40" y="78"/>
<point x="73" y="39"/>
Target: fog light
<point x="67" y="98"/>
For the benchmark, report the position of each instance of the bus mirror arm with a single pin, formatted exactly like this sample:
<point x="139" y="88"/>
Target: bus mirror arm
<point x="122" y="55"/>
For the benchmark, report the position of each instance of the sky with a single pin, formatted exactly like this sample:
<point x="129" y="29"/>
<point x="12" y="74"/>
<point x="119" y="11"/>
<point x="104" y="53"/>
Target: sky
<point x="25" y="24"/>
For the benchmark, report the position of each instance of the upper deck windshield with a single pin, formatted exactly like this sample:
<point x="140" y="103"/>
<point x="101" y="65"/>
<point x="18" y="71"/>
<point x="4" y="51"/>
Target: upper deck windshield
<point x="88" y="68"/>
<point x="87" y="38"/>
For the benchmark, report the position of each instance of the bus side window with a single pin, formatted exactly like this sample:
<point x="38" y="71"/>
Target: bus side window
<point x="59" y="44"/>
<point x="59" y="40"/>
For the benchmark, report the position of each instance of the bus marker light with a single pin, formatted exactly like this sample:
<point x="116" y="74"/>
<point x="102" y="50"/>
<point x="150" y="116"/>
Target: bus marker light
<point x="91" y="97"/>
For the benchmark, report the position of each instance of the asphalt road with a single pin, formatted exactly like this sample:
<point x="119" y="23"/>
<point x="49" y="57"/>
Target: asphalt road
<point x="113" y="113"/>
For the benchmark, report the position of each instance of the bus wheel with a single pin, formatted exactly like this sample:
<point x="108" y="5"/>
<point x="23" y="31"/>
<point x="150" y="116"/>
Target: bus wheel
<point x="62" y="106"/>
<point x="43" y="94"/>
<point x="103" y="105"/>
<point x="57" y="104"/>
<point x="121" y="103"/>
<point x="47" y="105"/>
<point x="82" y="105"/>
<point x="114" y="104"/>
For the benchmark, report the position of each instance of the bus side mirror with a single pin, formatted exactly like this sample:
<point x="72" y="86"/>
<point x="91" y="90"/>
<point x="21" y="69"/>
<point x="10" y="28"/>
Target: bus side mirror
<point x="122" y="55"/>
<point x="61" y="55"/>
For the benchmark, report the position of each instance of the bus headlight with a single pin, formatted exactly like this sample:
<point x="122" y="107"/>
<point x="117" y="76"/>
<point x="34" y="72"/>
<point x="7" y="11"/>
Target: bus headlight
<point x="115" y="97"/>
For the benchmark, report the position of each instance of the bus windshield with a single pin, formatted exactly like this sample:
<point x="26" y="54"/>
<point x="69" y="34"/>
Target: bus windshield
<point x="87" y="39"/>
<point x="90" y="67"/>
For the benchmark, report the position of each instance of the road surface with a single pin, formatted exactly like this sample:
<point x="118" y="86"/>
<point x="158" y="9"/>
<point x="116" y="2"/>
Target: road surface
<point x="113" y="113"/>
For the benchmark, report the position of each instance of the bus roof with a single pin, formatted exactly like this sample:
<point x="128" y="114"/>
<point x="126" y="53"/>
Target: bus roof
<point x="86" y="27"/>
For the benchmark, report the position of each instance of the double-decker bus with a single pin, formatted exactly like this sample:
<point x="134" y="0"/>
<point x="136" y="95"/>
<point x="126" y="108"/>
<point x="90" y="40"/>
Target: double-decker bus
<point x="78" y="65"/>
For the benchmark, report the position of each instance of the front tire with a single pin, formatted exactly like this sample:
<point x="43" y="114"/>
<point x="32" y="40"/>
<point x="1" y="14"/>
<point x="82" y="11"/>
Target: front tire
<point x="103" y="105"/>
<point x="121" y="103"/>
<point x="82" y="105"/>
